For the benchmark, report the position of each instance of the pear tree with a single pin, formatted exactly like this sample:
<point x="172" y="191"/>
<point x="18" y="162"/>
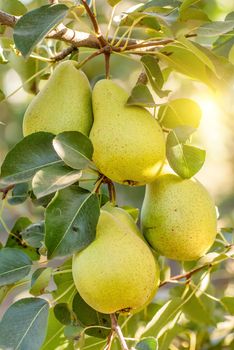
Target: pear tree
<point x="83" y="270"/>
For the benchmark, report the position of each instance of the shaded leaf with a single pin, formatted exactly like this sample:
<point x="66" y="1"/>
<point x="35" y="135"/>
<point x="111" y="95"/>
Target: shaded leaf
<point x="28" y="32"/>
<point x="19" y="194"/>
<point x="73" y="332"/>
<point x="74" y="148"/>
<point x="55" y="338"/>
<point x="16" y="240"/>
<point x="63" y="313"/>
<point x="184" y="159"/>
<point x="154" y="74"/>
<point x="182" y="111"/>
<point x="14" y="265"/>
<point x="52" y="179"/>
<point x="147" y="344"/>
<point x="27" y="157"/>
<point x="141" y="96"/>
<point x="40" y="280"/>
<point x="34" y="234"/>
<point x="64" y="282"/>
<point x="71" y="220"/>
<point x="90" y="317"/>
<point x="28" y="334"/>
<point x="140" y="19"/>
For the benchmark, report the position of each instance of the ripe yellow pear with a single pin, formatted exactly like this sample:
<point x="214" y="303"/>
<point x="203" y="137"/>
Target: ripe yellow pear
<point x="117" y="272"/>
<point x="64" y="103"/>
<point x="178" y="218"/>
<point x="129" y="145"/>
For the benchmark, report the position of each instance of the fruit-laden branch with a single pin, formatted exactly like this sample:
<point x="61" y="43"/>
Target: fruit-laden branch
<point x="82" y="39"/>
<point x="188" y="275"/>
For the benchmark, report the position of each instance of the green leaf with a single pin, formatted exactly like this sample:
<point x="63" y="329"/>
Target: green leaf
<point x="161" y="321"/>
<point x="23" y="326"/>
<point x="74" y="148"/>
<point x="184" y="61"/>
<point x="71" y="220"/>
<point x="182" y="111"/>
<point x="161" y="3"/>
<point x="29" y="155"/>
<point x="185" y="160"/>
<point x="55" y="338"/>
<point x="141" y="20"/>
<point x="196" y="310"/>
<point x="63" y="313"/>
<point x="31" y="28"/>
<point x="154" y="75"/>
<point x="34" y="234"/>
<point x="87" y="317"/>
<point x="14" y="265"/>
<point x="19" y="194"/>
<point x="134" y="212"/>
<point x="141" y="96"/>
<point x="16" y="240"/>
<point x="215" y="28"/>
<point x="187" y="3"/>
<point x="147" y="344"/>
<point x="113" y="2"/>
<point x="73" y="332"/>
<point x="14" y="7"/>
<point x="52" y="179"/>
<point x="40" y="280"/>
<point x="64" y="282"/>
<point x="229" y="304"/>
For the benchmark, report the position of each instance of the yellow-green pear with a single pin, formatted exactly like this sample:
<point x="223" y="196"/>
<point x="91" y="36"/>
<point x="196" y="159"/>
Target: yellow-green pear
<point x="64" y="103"/>
<point x="129" y="145"/>
<point x="178" y="218"/>
<point x="117" y="272"/>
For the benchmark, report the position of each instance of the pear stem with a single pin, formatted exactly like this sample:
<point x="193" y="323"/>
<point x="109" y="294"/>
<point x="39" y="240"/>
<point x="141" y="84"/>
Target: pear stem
<point x="112" y="193"/>
<point x="116" y="328"/>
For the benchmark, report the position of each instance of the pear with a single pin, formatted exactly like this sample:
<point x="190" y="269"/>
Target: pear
<point x="64" y="103"/>
<point x="178" y="217"/>
<point x="117" y="272"/>
<point x="129" y="145"/>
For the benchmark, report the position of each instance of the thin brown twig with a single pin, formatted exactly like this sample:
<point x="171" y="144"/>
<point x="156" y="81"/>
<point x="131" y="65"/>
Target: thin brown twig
<point x="109" y="340"/>
<point x="96" y="53"/>
<point x="116" y="328"/>
<point x="60" y="56"/>
<point x="6" y="190"/>
<point x="95" y="24"/>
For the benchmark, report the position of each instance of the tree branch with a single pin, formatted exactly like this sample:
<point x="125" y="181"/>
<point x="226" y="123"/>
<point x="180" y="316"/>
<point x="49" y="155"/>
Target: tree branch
<point x="95" y="24"/>
<point x="116" y="328"/>
<point x="8" y="20"/>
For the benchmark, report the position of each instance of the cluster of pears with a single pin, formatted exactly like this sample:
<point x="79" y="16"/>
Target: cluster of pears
<point x="118" y="271"/>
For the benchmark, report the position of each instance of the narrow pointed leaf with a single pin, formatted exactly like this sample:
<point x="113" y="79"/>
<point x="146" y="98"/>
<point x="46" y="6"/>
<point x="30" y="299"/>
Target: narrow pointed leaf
<point x="23" y="326"/>
<point x="71" y="220"/>
<point x="14" y="265"/>
<point x="28" y="156"/>
<point x="28" y="31"/>
<point x="40" y="280"/>
<point x="52" y="179"/>
<point x="74" y="148"/>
